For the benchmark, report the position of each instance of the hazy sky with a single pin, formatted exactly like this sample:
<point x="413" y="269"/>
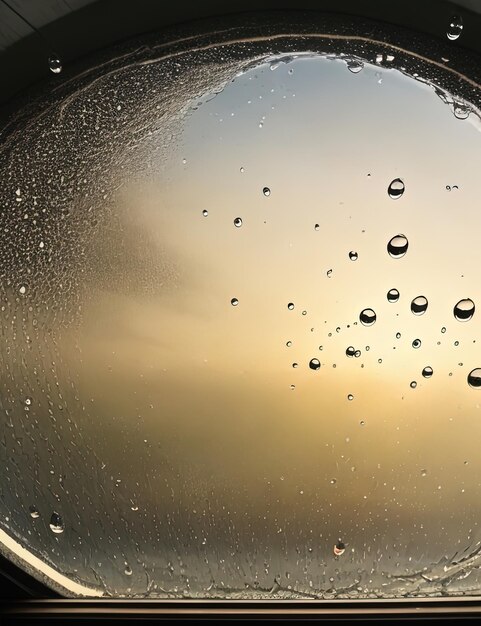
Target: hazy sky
<point x="188" y="399"/>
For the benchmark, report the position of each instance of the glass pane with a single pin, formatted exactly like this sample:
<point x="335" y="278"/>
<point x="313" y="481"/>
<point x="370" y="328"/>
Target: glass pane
<point x="240" y="343"/>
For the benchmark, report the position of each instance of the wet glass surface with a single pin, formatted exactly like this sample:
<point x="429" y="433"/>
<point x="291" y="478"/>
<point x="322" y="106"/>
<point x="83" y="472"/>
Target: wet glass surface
<point x="177" y="231"/>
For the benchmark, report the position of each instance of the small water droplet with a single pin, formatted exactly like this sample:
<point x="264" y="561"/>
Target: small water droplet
<point x="455" y="28"/>
<point x="234" y="301"/>
<point x="293" y="387"/>
<point x="294" y="365"/>
<point x="339" y="548"/>
<point x="56" y="524"/>
<point x="22" y="289"/>
<point x="354" y="65"/>
<point x="316" y="226"/>
<point x="205" y="212"/>
<point x="396" y="188"/>
<point x="329" y="273"/>
<point x="393" y="295"/>
<point x="416" y="343"/>
<point x="290" y="306"/>
<point x="474" y="378"/>
<point x="55" y="64"/>
<point x="427" y="371"/>
<point x="266" y="191"/>
<point x="238" y="222"/>
<point x="397" y="246"/>
<point x="461" y="111"/>
<point x="464" y="310"/>
<point x="424" y="472"/>
<point x="357" y="354"/>
<point x="419" y="305"/>
<point x="242" y="170"/>
<point x="304" y="312"/>
<point x="333" y="481"/>
<point x="443" y="329"/>
<point x="350" y="351"/>
<point x="28" y="401"/>
<point x="353" y="255"/>
<point x="413" y="384"/>
<point x="128" y="570"/>
<point x="289" y="344"/>
<point x="398" y="335"/>
<point x="34" y="513"/>
<point x="350" y="397"/>
<point x="367" y="317"/>
<point x="314" y="364"/>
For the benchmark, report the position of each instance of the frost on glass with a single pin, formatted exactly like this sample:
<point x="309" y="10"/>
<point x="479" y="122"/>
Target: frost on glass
<point x="178" y="229"/>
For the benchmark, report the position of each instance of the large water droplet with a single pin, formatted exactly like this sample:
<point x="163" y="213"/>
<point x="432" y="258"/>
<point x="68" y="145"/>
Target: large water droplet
<point x="205" y="212"/>
<point x="350" y="351"/>
<point x="396" y="189"/>
<point x="413" y="384"/>
<point x="350" y="397"/>
<point x="354" y="65"/>
<point x="54" y="64"/>
<point x="238" y="222"/>
<point x="56" y="523"/>
<point x="461" y="111"/>
<point x="455" y="28"/>
<point x="397" y="246"/>
<point x="474" y="378"/>
<point x="314" y="364"/>
<point x="367" y="317"/>
<point x="266" y="191"/>
<point x="464" y="310"/>
<point x="290" y="306"/>
<point x="34" y="513"/>
<point x="419" y="305"/>
<point x="416" y="343"/>
<point x="393" y="295"/>
<point x="234" y="301"/>
<point x="427" y="371"/>
<point x="353" y="255"/>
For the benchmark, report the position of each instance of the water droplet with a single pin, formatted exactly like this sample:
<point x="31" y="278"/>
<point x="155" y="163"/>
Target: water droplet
<point x="416" y="343"/>
<point x="357" y="354"/>
<point x="54" y="64"/>
<point x="34" y="513"/>
<point x="398" y="335"/>
<point x="333" y="481"/>
<point x="304" y="312"/>
<point x="474" y="378"/>
<point x="419" y="305"/>
<point x="393" y="295"/>
<point x="294" y="365"/>
<point x="456" y="343"/>
<point x="293" y="387"/>
<point x="22" y="289"/>
<point x="379" y="360"/>
<point x="234" y="301"/>
<point x="413" y="384"/>
<point x="443" y="329"/>
<point x="350" y="351"/>
<point x="28" y="401"/>
<point x="205" y="212"/>
<point x="339" y="548"/>
<point x="56" y="523"/>
<point x="367" y="317"/>
<point x="350" y="397"/>
<point x="353" y="255"/>
<point x="354" y="65"/>
<point x="266" y="191"/>
<point x="461" y="111"/>
<point x="289" y="344"/>
<point x="424" y="472"/>
<point x="316" y="226"/>
<point x="329" y="273"/>
<point x="455" y="28"/>
<point x="396" y="189"/>
<point x="427" y="371"/>
<point x="238" y="222"/>
<point x="128" y="571"/>
<point x="397" y="246"/>
<point x="314" y="364"/>
<point x="242" y="170"/>
<point x="464" y="310"/>
<point x="290" y="306"/>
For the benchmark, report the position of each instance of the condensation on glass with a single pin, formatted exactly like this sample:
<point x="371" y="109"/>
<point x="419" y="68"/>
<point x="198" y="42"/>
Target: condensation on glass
<point x="240" y="346"/>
